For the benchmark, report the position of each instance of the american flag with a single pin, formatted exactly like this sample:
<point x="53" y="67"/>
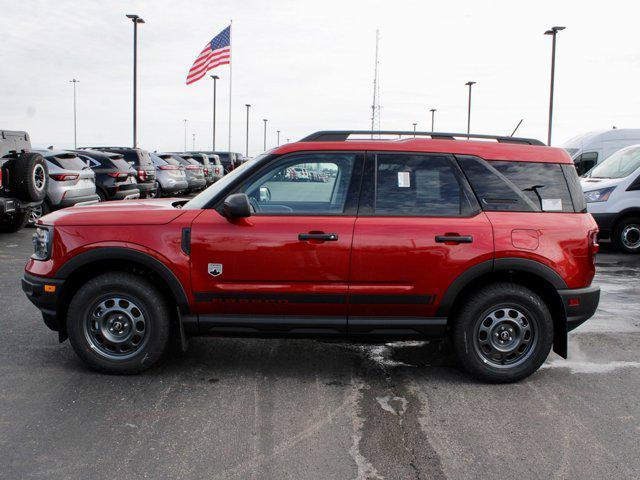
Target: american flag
<point x="217" y="52"/>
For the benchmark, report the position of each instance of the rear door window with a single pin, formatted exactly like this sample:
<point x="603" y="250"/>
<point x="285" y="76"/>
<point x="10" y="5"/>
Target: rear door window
<point x="518" y="186"/>
<point x="418" y="185"/>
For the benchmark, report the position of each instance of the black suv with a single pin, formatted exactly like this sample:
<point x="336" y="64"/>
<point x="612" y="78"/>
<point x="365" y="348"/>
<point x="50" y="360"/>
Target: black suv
<point x="23" y="180"/>
<point x="141" y="162"/>
<point x="115" y="178"/>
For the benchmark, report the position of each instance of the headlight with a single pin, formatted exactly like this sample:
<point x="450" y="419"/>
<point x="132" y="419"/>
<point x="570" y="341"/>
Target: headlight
<point x="42" y="242"/>
<point x="601" y="195"/>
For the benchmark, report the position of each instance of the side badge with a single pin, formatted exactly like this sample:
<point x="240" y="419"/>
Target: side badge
<point x="215" y="269"/>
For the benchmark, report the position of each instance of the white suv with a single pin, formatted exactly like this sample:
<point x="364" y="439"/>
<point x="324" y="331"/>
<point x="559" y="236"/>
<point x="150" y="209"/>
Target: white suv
<point x="612" y="192"/>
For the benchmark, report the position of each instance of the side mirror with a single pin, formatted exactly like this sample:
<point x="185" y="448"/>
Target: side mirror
<point x="265" y="194"/>
<point x="237" y="205"/>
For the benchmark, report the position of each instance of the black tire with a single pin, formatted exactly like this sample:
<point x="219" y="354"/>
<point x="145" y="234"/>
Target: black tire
<point x="105" y="315"/>
<point x="12" y="222"/>
<point x="479" y="330"/>
<point x="102" y="195"/>
<point x="30" y="177"/>
<point x="159" y="192"/>
<point x="626" y="235"/>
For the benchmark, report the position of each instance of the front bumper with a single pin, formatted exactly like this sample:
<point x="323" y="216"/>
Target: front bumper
<point x="44" y="293"/>
<point x="580" y="304"/>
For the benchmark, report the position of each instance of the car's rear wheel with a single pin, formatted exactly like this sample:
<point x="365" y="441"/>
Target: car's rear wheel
<point x="626" y="236"/>
<point x="101" y="195"/>
<point x="503" y="333"/>
<point x="119" y="323"/>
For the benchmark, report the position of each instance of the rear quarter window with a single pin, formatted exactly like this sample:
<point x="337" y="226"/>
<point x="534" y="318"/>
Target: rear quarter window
<point x="519" y="186"/>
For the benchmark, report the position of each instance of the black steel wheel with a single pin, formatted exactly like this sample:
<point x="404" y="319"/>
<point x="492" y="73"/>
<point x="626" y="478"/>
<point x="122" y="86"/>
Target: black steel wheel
<point x="118" y="322"/>
<point x="502" y="332"/>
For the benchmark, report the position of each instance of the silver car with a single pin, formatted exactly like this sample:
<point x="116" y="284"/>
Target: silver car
<point x="71" y="183"/>
<point x="193" y="169"/>
<point x="170" y="175"/>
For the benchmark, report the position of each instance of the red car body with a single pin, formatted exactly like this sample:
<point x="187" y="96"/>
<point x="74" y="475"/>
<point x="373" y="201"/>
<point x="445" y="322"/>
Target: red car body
<point x="379" y="276"/>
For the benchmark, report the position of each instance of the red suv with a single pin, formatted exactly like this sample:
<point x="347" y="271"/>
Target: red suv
<point x="486" y="240"/>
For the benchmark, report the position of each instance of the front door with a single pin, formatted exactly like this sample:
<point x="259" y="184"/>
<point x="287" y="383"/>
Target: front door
<point x="285" y="268"/>
<point x="419" y="227"/>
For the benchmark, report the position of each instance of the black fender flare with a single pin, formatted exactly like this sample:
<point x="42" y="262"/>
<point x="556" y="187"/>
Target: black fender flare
<point x="130" y="254"/>
<point x="497" y="265"/>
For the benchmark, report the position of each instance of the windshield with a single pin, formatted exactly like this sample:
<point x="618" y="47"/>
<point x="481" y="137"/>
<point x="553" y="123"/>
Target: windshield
<point x="619" y="165"/>
<point x="199" y="201"/>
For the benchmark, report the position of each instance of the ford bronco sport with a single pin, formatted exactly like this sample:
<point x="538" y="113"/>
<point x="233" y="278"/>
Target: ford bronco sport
<point x="23" y="180"/>
<point x="485" y="240"/>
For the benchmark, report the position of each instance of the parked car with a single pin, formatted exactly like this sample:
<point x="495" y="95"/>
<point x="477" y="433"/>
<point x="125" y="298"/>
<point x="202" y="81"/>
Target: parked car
<point x="71" y="182"/>
<point x="170" y="176"/>
<point x="228" y="160"/>
<point x="203" y="160"/>
<point x="141" y="162"/>
<point x="591" y="148"/>
<point x="23" y="180"/>
<point x="194" y="171"/>
<point x="114" y="177"/>
<point x="489" y="243"/>
<point x="612" y="192"/>
<point x="216" y="166"/>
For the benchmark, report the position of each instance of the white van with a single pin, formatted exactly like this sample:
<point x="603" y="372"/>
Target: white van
<point x="612" y="192"/>
<point x="591" y="148"/>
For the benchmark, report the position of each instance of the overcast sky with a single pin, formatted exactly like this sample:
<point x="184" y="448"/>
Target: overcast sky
<point x="308" y="65"/>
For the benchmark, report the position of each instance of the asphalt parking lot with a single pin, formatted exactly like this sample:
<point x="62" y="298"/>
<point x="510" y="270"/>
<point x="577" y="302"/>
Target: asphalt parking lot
<point x="261" y="409"/>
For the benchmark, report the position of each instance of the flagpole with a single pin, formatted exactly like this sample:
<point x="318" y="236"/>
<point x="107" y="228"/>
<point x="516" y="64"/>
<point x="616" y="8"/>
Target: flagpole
<point x="230" y="83"/>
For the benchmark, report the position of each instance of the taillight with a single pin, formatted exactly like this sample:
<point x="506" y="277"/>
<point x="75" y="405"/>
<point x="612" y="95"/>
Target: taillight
<point x="61" y="177"/>
<point x="119" y="175"/>
<point x="169" y="167"/>
<point x="0" y="178"/>
<point x="206" y="171"/>
<point x="142" y="175"/>
<point x="594" y="247"/>
<point x="192" y="167"/>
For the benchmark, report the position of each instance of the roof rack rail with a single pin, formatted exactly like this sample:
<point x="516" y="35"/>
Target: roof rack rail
<point x="107" y="148"/>
<point x="343" y="135"/>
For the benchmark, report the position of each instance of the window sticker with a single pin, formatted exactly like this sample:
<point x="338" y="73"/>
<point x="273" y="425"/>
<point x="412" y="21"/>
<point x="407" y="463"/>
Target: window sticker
<point x="552" y="204"/>
<point x="404" y="179"/>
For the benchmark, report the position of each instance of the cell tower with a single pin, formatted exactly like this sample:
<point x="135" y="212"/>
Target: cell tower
<point x="375" y="107"/>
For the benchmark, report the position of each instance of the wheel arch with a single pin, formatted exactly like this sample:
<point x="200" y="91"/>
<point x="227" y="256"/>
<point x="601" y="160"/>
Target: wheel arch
<point x="627" y="212"/>
<point x="108" y="259"/>
<point x="529" y="273"/>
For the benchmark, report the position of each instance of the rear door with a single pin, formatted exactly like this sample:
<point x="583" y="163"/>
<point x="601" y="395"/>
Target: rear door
<point x="286" y="267"/>
<point x="419" y="227"/>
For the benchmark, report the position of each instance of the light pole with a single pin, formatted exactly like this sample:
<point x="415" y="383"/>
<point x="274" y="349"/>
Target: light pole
<point x="194" y="142"/>
<point x="185" y="134"/>
<point x="213" y="130"/>
<point x="433" y="118"/>
<point x="246" y="152"/>
<point x="553" y="32"/>
<point x="264" y="141"/>
<point x="278" y="132"/>
<point x="469" y="84"/>
<point x="136" y="20"/>
<point x="75" y="122"/>
<point x="414" y="129"/>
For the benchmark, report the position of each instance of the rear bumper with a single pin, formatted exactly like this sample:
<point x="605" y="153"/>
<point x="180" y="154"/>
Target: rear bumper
<point x="46" y="301"/>
<point x="146" y="188"/>
<point x="605" y="223"/>
<point x="580" y="304"/>
<point x="197" y="184"/>
<point x="173" y="186"/>
<point x="79" y="200"/>
<point x="12" y="205"/>
<point x="125" y="194"/>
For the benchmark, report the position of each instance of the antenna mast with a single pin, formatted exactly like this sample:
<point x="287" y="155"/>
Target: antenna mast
<point x="375" y="107"/>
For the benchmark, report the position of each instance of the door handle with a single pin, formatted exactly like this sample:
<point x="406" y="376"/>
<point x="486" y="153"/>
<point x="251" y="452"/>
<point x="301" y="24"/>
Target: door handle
<point x="454" y="239"/>
<point x="325" y="237"/>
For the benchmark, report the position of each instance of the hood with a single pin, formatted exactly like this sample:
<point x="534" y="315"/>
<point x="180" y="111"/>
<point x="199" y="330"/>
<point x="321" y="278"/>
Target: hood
<point x="120" y="212"/>
<point x="589" y="184"/>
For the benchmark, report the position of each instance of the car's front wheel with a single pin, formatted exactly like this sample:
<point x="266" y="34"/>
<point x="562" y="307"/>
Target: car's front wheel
<point x="119" y="323"/>
<point x="626" y="236"/>
<point x="503" y="333"/>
